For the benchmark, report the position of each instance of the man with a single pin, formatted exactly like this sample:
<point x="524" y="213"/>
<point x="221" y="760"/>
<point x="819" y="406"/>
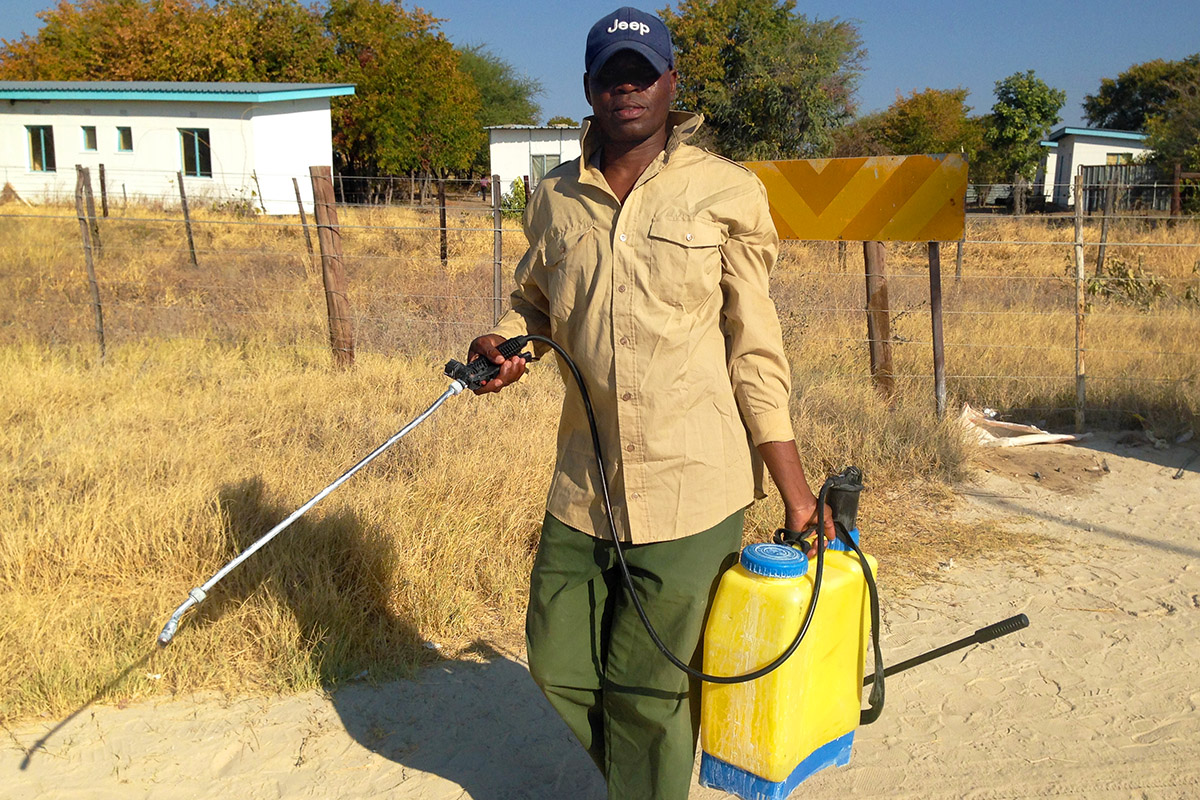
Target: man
<point x="648" y="262"/>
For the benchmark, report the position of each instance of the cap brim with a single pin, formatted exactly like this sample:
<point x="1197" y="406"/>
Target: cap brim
<point x="651" y="55"/>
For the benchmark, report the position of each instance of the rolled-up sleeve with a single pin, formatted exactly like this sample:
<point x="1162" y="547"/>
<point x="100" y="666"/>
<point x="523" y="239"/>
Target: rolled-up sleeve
<point x="758" y="367"/>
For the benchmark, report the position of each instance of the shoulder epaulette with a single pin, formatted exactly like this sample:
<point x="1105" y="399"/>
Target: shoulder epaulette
<point x="720" y="157"/>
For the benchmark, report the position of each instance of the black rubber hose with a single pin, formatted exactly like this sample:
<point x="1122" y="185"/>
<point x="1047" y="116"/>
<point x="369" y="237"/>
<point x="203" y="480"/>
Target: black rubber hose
<point x="637" y="603"/>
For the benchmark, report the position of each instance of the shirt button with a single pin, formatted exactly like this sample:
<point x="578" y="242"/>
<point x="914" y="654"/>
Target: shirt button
<point x="627" y="396"/>
<point x="630" y="448"/>
<point x="637" y="496"/>
<point x="621" y="288"/>
<point x="624" y="340"/>
<point x="622" y="237"/>
<point x="688" y="237"/>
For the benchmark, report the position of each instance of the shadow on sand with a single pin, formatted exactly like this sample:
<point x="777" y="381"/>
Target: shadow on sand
<point x="480" y="724"/>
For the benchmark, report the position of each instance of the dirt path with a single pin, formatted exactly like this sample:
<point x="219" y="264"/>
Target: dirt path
<point x="1097" y="699"/>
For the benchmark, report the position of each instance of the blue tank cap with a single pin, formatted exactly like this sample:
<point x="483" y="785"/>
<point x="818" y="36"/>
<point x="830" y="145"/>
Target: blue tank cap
<point x="841" y="547"/>
<point x="774" y="560"/>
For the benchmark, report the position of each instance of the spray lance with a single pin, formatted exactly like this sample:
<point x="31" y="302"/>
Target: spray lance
<point x="840" y="492"/>
<point x="462" y="376"/>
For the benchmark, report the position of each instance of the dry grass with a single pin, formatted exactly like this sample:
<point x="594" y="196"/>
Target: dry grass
<point x="216" y="414"/>
<point x="1010" y="321"/>
<point x="131" y="483"/>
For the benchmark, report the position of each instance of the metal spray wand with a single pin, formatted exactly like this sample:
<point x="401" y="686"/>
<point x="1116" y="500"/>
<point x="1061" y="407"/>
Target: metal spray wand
<point x="463" y="376"/>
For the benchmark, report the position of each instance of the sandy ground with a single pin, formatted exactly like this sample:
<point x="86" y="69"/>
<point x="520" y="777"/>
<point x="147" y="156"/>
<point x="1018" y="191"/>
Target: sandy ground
<point x="1097" y="699"/>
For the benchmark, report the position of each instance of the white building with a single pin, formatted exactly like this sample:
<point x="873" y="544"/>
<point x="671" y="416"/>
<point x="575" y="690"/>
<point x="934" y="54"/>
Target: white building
<point x="240" y="142"/>
<point x="1072" y="148"/>
<point x="520" y="151"/>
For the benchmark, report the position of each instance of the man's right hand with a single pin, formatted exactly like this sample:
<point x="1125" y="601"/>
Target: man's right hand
<point x="511" y="370"/>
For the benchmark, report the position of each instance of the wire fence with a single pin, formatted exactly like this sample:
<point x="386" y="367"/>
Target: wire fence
<point x="1009" y="304"/>
<point x="1143" y="195"/>
<point x="129" y="188"/>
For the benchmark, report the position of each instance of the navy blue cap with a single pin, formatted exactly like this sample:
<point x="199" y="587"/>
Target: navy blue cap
<point x="774" y="560"/>
<point x="629" y="29"/>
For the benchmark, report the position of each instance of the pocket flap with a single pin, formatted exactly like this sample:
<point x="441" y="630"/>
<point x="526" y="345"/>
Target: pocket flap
<point x="687" y="232"/>
<point x="557" y="243"/>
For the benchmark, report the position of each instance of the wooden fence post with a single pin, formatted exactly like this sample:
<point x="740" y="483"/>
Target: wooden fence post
<point x="935" y="313"/>
<point x="879" y="334"/>
<point x="441" y="197"/>
<point x="187" y="218"/>
<point x="1177" y="192"/>
<point x="90" y="201"/>
<point x="258" y="187"/>
<point x="329" y="235"/>
<point x="1110" y="192"/>
<point x="103" y="193"/>
<point x="841" y="256"/>
<point x="958" y="257"/>
<point x="312" y="267"/>
<point x="528" y="191"/>
<point x="86" y="232"/>
<point x="497" y="251"/>
<point x="1080" y="309"/>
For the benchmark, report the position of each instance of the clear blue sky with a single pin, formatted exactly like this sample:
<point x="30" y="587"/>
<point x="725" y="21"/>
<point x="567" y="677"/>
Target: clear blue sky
<point x="910" y="46"/>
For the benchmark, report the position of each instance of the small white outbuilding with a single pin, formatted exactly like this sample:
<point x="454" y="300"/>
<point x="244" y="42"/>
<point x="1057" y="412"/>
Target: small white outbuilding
<point x="530" y="151"/>
<point x="1068" y="149"/>
<point x="233" y="142"/>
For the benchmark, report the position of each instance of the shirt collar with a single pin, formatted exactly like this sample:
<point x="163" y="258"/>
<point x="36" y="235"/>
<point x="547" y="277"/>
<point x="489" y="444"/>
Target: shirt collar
<point x="682" y="125"/>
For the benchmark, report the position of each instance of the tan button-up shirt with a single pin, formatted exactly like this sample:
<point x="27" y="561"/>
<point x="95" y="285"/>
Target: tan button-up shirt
<point x="662" y="303"/>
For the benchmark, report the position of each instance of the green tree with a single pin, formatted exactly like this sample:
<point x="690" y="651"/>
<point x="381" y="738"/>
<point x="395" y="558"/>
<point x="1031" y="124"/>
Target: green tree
<point x="1022" y="116"/>
<point x="506" y="96"/>
<point x="861" y="137"/>
<point x="932" y="121"/>
<point x="1174" y="132"/>
<point x="413" y="110"/>
<point x="230" y="40"/>
<point x="771" y="82"/>
<point x="1140" y="92"/>
<point x="1161" y="98"/>
<point x="280" y="40"/>
<point x="560" y="120"/>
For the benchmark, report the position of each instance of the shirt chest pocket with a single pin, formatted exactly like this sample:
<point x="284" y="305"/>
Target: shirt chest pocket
<point x="685" y="260"/>
<point x="569" y="269"/>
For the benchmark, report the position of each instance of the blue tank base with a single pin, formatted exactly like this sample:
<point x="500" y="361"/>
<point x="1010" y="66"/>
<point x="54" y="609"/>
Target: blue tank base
<point x="717" y="774"/>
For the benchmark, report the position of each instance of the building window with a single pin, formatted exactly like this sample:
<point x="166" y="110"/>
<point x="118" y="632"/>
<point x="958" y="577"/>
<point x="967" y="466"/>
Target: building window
<point x="89" y="137"/>
<point x="41" y="148"/>
<point x="1118" y="159"/>
<point x="125" y="139"/>
<point x="539" y="166"/>
<point x="197" y="157"/>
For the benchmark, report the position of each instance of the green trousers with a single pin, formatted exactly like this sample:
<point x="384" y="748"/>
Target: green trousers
<point x="636" y="714"/>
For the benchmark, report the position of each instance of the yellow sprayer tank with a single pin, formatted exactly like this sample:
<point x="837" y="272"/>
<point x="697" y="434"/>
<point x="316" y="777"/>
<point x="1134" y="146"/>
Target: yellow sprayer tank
<point x="761" y="738"/>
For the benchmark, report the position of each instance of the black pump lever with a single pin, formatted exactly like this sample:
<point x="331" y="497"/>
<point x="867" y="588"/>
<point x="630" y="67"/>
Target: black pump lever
<point x="993" y="631"/>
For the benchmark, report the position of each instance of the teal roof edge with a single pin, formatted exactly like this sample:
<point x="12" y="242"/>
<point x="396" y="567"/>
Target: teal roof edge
<point x="1099" y="132"/>
<point x="180" y="96"/>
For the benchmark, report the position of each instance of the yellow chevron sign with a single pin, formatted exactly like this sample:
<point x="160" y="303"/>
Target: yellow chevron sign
<point x="878" y="199"/>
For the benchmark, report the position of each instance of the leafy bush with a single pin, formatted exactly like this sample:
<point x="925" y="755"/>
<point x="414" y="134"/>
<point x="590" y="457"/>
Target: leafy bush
<point x="512" y="204"/>
<point x="1120" y="282"/>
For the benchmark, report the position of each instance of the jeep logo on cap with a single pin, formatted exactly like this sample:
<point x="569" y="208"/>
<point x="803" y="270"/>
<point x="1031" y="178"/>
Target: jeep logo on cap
<point x="641" y="27"/>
